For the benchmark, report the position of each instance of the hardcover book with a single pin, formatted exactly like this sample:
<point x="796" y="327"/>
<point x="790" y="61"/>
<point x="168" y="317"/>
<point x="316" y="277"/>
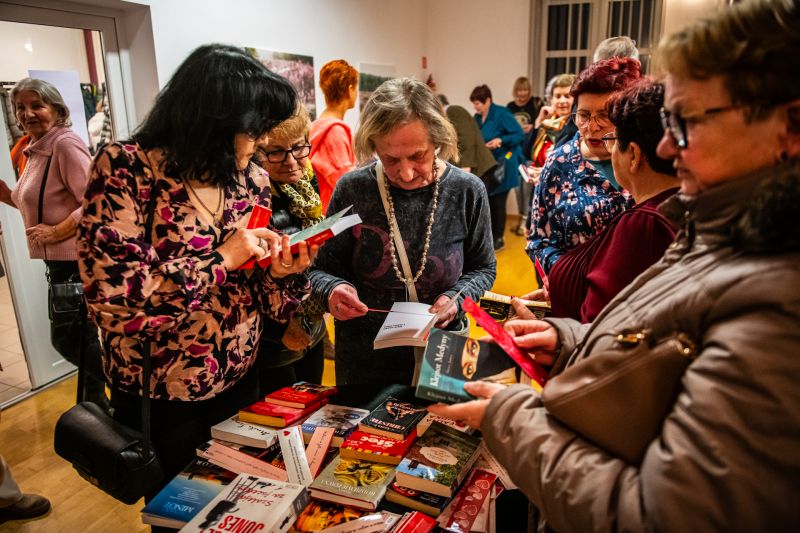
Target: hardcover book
<point x="269" y="414"/>
<point x="376" y="448"/>
<point x="353" y="482"/>
<point x="342" y="419"/>
<point x="251" y="503"/>
<point x="430" y="504"/>
<point x="186" y="494"/>
<point x="244" y="433"/>
<point x="438" y="462"/>
<point x="319" y="515"/>
<point x="451" y="360"/>
<point x="393" y="419"/>
<point x="300" y="395"/>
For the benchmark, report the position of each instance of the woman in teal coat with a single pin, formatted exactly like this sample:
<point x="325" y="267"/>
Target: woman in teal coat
<point x="503" y="135"/>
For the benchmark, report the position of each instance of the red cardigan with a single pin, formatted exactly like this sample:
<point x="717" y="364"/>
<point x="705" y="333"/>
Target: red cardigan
<point x="586" y="278"/>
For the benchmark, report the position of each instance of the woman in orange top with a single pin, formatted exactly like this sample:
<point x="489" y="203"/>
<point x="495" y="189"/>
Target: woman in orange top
<point x="331" y="139"/>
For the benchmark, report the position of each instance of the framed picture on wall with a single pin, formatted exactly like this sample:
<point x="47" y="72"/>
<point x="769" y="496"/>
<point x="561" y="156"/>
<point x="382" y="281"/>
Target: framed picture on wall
<point x="296" y="68"/>
<point x="370" y="76"/>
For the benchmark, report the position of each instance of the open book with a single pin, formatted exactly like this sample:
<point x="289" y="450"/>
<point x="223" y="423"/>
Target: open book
<point x="316" y="234"/>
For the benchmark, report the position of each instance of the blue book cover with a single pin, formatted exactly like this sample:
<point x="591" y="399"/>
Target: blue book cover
<point x="451" y="360"/>
<point x="186" y="494"/>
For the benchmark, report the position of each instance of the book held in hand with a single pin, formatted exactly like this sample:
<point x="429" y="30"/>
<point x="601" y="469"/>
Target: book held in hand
<point x="438" y="461"/>
<point x="451" y="360"/>
<point x="498" y="306"/>
<point x="376" y="448"/>
<point x="251" y="503"/>
<point x="342" y="419"/>
<point x="393" y="418"/>
<point x="353" y="482"/>
<point x="407" y="324"/>
<point x="300" y="395"/>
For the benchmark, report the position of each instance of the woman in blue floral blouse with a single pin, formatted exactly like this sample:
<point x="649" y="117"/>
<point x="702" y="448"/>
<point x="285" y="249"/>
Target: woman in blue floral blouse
<point x="179" y="287"/>
<point x="577" y="194"/>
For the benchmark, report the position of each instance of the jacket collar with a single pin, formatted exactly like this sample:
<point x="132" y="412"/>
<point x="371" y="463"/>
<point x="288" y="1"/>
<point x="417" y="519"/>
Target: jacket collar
<point x="754" y="213"/>
<point x="44" y="145"/>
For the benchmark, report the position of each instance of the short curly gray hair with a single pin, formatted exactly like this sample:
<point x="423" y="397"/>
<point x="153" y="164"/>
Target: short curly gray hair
<point x="49" y="95"/>
<point x="397" y="102"/>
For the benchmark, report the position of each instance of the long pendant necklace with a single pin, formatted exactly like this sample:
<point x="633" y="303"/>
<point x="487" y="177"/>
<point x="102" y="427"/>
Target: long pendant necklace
<point x="216" y="214"/>
<point x="392" y="250"/>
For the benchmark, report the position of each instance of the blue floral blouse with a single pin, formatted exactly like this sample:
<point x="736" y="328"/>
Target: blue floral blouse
<point x="572" y="203"/>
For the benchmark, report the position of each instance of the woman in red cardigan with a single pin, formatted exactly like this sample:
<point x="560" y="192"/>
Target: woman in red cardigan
<point x="587" y="277"/>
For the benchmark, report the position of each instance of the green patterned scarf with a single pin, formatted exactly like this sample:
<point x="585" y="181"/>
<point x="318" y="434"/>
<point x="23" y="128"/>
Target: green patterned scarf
<point x="304" y="201"/>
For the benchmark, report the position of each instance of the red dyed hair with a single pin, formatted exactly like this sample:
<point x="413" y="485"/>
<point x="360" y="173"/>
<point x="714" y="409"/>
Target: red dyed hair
<point x="607" y="76"/>
<point x="335" y="79"/>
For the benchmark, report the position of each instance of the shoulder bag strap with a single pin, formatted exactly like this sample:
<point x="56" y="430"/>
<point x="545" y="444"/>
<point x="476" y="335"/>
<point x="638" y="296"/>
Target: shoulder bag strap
<point x="41" y="197"/>
<point x="398" y="239"/>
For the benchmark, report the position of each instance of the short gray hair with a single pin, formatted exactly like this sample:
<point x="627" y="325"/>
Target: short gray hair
<point x="49" y="95"/>
<point x="622" y="46"/>
<point x="396" y="103"/>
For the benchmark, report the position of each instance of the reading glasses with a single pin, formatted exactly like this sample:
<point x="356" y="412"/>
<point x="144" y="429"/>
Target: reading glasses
<point x="279" y="156"/>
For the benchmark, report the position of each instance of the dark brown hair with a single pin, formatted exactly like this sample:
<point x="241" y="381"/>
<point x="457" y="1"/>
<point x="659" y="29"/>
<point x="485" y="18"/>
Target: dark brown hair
<point x="481" y="93"/>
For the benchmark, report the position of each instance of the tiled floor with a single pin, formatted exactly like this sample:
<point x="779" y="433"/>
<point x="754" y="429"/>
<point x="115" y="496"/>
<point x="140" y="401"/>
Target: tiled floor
<point x="14" y="379"/>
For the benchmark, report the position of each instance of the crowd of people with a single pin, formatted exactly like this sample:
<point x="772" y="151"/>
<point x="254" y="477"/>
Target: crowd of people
<point x="656" y="206"/>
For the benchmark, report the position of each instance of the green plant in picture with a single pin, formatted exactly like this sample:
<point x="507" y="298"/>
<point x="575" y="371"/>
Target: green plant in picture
<point x="446" y="475"/>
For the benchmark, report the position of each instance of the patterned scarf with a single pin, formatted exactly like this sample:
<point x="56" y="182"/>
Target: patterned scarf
<point x="304" y="201"/>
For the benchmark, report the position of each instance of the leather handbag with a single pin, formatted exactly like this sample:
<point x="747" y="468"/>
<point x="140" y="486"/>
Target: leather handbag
<point x="495" y="175"/>
<point x="619" y="398"/>
<point x="115" y="458"/>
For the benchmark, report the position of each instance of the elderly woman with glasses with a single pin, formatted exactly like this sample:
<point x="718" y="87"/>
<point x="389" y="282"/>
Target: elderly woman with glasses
<point x="577" y="194"/>
<point x="292" y="351"/>
<point x="722" y="454"/>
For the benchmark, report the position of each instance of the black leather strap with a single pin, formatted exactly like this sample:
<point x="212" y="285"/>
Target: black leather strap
<point x="41" y="190"/>
<point x="146" y="362"/>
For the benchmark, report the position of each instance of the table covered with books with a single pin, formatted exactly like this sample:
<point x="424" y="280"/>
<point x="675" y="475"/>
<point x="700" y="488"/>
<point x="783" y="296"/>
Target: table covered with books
<point x="352" y="458"/>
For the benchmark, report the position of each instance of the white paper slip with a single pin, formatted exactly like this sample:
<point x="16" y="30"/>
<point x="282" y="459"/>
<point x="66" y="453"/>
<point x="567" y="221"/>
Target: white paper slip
<point x="294" y="456"/>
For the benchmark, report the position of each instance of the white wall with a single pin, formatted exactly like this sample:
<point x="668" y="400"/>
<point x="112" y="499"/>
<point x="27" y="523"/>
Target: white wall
<point x="48" y="48"/>
<point x="472" y="42"/>
<point x="680" y="13"/>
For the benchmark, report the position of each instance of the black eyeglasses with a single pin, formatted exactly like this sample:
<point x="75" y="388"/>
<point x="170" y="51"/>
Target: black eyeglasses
<point x="279" y="156"/>
<point x="675" y="123"/>
<point x="609" y="141"/>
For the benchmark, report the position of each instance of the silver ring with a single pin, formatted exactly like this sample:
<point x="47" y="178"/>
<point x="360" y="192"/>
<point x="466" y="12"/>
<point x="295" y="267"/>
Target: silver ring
<point x="262" y="243"/>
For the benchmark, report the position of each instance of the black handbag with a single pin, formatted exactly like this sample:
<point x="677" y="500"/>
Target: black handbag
<point x="495" y="175"/>
<point x="113" y="457"/>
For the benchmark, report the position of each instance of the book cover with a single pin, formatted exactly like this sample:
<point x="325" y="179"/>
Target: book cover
<point x="376" y="448"/>
<point x="342" y="419"/>
<point x="186" y="494"/>
<point x="430" y="504"/>
<point x="269" y="414"/>
<point x="319" y="233"/>
<point x="353" y="482"/>
<point x="430" y="418"/>
<point x="393" y="419"/>
<point x="451" y="360"/>
<point x="498" y="306"/>
<point x="471" y="499"/>
<point x="438" y="461"/>
<point x="319" y="515"/>
<point x="244" y="459"/>
<point x="300" y="395"/>
<point x="251" y="503"/>
<point x="244" y="433"/>
<point x="415" y="522"/>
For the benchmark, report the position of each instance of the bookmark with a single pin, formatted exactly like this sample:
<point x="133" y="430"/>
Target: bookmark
<point x="294" y="456"/>
<point x="540" y="271"/>
<point x="318" y="448"/>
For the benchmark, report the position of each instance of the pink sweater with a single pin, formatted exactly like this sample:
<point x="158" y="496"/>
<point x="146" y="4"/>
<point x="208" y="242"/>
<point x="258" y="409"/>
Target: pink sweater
<point x="331" y="154"/>
<point x="63" y="195"/>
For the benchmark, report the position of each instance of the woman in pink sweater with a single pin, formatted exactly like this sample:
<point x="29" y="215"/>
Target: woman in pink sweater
<point x="49" y="195"/>
<point x="331" y="139"/>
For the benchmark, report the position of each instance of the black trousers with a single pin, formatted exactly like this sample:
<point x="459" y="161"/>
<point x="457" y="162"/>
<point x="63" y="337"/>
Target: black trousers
<point x="497" y="212"/>
<point x="309" y="368"/>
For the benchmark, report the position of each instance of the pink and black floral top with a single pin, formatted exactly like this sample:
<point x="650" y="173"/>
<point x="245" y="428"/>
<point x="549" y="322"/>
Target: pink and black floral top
<point x="173" y="287"/>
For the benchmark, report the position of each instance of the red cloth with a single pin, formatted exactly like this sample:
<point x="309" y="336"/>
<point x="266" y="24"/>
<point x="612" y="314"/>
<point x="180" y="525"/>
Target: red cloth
<point x="331" y="154"/>
<point x="585" y="279"/>
<point x="18" y="157"/>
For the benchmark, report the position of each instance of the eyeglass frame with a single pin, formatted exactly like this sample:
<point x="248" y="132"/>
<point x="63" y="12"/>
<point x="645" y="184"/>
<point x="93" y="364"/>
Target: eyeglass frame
<point x="678" y="132"/>
<point x="303" y="148"/>
<point x="607" y="120"/>
<point x="611" y="136"/>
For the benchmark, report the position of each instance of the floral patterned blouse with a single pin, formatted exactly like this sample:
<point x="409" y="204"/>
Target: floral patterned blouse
<point x="173" y="287"/>
<point x="571" y="203"/>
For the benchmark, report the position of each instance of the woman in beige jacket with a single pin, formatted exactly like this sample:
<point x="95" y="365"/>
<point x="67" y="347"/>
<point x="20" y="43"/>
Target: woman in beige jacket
<point x="728" y="454"/>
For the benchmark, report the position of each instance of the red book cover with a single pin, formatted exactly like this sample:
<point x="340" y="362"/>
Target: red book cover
<point x="269" y="414"/>
<point x="259" y="218"/>
<point x="370" y="447"/>
<point x="300" y="395"/>
<point x="415" y="522"/>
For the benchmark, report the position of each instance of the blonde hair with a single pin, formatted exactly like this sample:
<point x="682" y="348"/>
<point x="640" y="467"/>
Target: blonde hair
<point x="521" y="83"/>
<point x="298" y="125"/>
<point x="396" y="103"/>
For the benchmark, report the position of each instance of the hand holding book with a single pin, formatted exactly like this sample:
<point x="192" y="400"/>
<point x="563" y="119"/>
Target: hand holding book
<point x="469" y="413"/>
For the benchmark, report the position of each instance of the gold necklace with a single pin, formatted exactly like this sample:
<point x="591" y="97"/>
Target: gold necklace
<point x="216" y="215"/>
<point x="392" y="250"/>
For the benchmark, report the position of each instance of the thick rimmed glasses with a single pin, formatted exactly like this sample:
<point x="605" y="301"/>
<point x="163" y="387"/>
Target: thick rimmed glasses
<point x="675" y="123"/>
<point x="582" y="118"/>
<point x="279" y="156"/>
<point x="609" y="141"/>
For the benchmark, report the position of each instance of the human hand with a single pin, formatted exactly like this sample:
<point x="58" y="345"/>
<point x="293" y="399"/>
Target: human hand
<point x="536" y="337"/>
<point x="344" y="304"/>
<point x="284" y="263"/>
<point x="536" y="176"/>
<point x="449" y="313"/>
<point x="544" y="113"/>
<point x="243" y="244"/>
<point x="42" y="234"/>
<point x="469" y="413"/>
<point x="494" y="143"/>
<point x="5" y="193"/>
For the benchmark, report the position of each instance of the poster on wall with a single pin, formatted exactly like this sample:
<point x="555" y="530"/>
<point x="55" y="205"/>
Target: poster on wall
<point x="370" y="76"/>
<point x="296" y="68"/>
